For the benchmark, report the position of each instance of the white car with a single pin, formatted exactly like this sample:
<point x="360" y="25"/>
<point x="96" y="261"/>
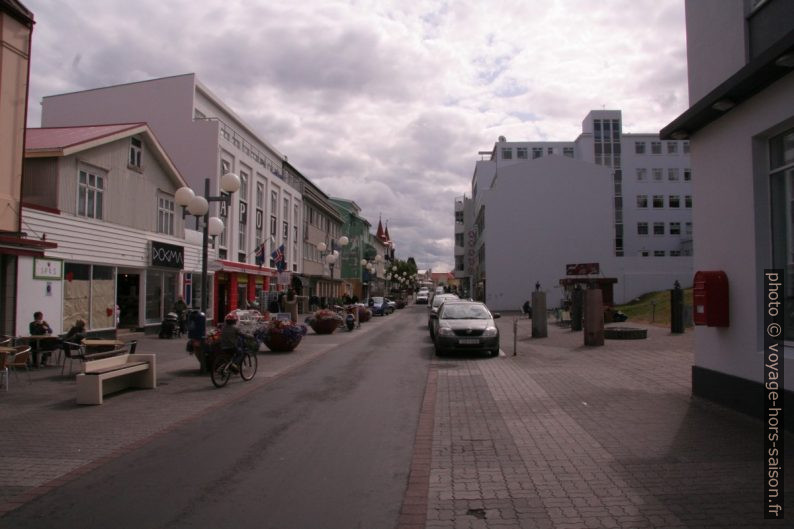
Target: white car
<point x="422" y="297"/>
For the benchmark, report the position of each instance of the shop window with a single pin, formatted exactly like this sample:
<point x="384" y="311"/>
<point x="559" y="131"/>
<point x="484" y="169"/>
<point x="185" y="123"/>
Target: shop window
<point x="160" y="294"/>
<point x="89" y="294"/>
<point x="103" y="297"/>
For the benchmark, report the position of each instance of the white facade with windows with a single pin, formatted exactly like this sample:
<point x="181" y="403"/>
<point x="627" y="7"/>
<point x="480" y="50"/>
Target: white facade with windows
<point x="741" y="127"/>
<point x="206" y="139"/>
<point x="105" y="195"/>
<point x="650" y="206"/>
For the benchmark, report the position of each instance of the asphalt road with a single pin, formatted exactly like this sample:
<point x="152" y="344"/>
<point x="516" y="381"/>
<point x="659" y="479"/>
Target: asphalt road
<point x="328" y="446"/>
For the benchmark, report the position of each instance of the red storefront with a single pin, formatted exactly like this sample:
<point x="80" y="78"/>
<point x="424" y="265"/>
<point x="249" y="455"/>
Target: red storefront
<point x="238" y="284"/>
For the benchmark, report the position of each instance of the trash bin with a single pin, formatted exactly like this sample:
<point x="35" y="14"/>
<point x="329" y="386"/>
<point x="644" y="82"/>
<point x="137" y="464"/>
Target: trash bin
<point x="196" y="325"/>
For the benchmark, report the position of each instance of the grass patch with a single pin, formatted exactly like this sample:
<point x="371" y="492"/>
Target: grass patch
<point x="652" y="307"/>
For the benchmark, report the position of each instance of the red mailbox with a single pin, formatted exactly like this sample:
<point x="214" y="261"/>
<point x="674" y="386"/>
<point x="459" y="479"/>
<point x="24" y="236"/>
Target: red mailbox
<point x="710" y="293"/>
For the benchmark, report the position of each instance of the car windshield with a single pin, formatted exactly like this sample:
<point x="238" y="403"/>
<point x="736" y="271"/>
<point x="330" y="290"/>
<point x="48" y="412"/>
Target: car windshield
<point x="465" y="312"/>
<point x="438" y="300"/>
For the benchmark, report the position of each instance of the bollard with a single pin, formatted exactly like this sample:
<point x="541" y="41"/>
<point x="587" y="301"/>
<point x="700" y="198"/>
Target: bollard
<point x="677" y="310"/>
<point x="539" y="315"/>
<point x="515" y="336"/>
<point x="593" y="317"/>
<point x="577" y="306"/>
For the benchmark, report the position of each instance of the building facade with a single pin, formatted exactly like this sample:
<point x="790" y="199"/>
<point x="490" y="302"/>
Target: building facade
<point x="650" y="206"/>
<point x="741" y="127"/>
<point x="105" y="196"/>
<point x="206" y="139"/>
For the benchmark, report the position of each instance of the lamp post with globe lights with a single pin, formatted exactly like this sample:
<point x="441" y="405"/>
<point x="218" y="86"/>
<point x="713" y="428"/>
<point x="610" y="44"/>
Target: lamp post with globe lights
<point x="199" y="206"/>
<point x="331" y="255"/>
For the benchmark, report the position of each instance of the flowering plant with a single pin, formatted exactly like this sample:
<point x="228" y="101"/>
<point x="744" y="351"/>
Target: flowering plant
<point x="281" y="335"/>
<point x="325" y="314"/>
<point x="324" y="321"/>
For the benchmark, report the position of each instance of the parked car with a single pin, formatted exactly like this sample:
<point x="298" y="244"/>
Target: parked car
<point x="391" y="303"/>
<point x="466" y="326"/>
<point x="439" y="290"/>
<point x="423" y="296"/>
<point x="379" y="306"/>
<point x="438" y="299"/>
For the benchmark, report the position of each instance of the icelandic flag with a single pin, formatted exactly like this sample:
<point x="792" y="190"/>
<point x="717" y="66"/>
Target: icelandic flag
<point x="259" y="256"/>
<point x="278" y="258"/>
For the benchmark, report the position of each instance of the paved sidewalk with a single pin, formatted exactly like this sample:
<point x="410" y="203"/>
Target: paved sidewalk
<point x="568" y="437"/>
<point x="48" y="439"/>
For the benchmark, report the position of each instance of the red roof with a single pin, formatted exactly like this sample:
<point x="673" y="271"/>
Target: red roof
<point x="63" y="137"/>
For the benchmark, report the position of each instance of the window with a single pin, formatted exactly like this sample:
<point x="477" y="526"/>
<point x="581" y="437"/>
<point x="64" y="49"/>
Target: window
<point x="675" y="228"/>
<point x="567" y="151"/>
<point x="642" y="201"/>
<point x="685" y="147"/>
<point x="89" y="292"/>
<point x="286" y="209"/>
<point x="507" y="153"/>
<point x="165" y="215"/>
<point x="658" y="253"/>
<point x="550" y="150"/>
<point x="458" y="217"/>
<point x="136" y="149"/>
<point x="642" y="228"/>
<point x="273" y="202"/>
<point x="675" y="253"/>
<point x="658" y="228"/>
<point x="688" y="201"/>
<point x="687" y="175"/>
<point x="688" y="227"/>
<point x="273" y="226"/>
<point x="656" y="147"/>
<point x="537" y="152"/>
<point x="260" y="195"/>
<point x="285" y="229"/>
<point x="781" y="163"/>
<point x="244" y="185"/>
<point x="674" y="201"/>
<point x="642" y="174"/>
<point x="521" y="153"/>
<point x="639" y="147"/>
<point x="658" y="174"/>
<point x="459" y="240"/>
<point x="658" y="201"/>
<point x="90" y="192"/>
<point x="672" y="174"/>
<point x="644" y="253"/>
<point x="672" y="147"/>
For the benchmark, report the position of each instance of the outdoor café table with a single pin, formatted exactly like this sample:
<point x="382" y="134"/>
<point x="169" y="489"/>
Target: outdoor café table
<point x="40" y="343"/>
<point x="100" y="346"/>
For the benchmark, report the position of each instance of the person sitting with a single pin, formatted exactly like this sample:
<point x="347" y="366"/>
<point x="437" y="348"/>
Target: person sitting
<point x="76" y="333"/>
<point x="39" y="327"/>
<point x="230" y="336"/>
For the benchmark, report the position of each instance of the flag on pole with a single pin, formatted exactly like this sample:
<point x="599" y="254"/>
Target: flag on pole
<point x="259" y="256"/>
<point x="278" y="258"/>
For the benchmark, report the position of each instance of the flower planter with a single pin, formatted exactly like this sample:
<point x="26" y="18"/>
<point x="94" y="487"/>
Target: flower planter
<point x="281" y="343"/>
<point x="282" y="336"/>
<point x="324" y="326"/>
<point x="364" y="314"/>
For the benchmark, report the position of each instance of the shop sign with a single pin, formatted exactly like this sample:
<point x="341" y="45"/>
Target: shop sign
<point x="47" y="268"/>
<point x="243" y="213"/>
<point x="167" y="255"/>
<point x="582" y="269"/>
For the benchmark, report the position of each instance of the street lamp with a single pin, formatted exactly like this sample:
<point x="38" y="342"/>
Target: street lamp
<point x="199" y="206"/>
<point x="332" y="255"/>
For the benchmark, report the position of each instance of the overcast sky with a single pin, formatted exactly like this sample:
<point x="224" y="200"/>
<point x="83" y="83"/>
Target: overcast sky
<point x="384" y="102"/>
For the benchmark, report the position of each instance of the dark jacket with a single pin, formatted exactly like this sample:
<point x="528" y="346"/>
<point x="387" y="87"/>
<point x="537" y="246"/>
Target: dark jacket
<point x="39" y="328"/>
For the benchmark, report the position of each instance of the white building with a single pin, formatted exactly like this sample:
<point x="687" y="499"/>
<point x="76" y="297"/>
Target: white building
<point x="650" y="209"/>
<point x="741" y="127"/>
<point x="104" y="195"/>
<point x="206" y="139"/>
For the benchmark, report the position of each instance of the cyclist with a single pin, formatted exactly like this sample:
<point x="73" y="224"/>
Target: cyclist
<point x="230" y="338"/>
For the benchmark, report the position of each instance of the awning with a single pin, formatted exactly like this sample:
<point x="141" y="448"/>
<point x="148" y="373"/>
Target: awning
<point x="245" y="268"/>
<point x="16" y="243"/>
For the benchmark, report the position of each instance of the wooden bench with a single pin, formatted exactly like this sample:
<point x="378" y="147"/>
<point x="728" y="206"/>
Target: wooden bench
<point x="109" y="375"/>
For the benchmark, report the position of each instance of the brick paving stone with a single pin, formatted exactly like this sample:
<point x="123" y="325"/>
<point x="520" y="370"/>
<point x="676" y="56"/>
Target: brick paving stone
<point x="606" y="437"/>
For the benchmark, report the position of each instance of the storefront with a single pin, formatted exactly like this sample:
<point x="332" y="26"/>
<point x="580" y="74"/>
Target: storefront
<point x="241" y="286"/>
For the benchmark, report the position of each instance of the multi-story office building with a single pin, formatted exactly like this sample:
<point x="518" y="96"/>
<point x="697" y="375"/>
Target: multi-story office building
<point x="650" y="204"/>
<point x="740" y="59"/>
<point x="206" y="139"/>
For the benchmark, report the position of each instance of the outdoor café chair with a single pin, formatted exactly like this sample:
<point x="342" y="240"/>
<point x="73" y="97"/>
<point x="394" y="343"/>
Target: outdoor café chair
<point x="72" y="351"/>
<point x="4" y="357"/>
<point x="20" y="359"/>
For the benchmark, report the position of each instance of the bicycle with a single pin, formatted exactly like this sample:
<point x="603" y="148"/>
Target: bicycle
<point x="225" y="364"/>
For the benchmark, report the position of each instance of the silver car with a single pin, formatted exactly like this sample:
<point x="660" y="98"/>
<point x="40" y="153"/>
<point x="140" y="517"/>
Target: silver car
<point x="466" y="326"/>
<point x="438" y="299"/>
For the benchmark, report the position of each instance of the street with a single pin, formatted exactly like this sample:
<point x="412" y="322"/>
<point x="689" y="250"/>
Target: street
<point x="327" y="446"/>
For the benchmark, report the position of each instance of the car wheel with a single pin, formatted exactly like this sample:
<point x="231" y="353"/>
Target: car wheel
<point x="439" y="352"/>
<point x="494" y="353"/>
